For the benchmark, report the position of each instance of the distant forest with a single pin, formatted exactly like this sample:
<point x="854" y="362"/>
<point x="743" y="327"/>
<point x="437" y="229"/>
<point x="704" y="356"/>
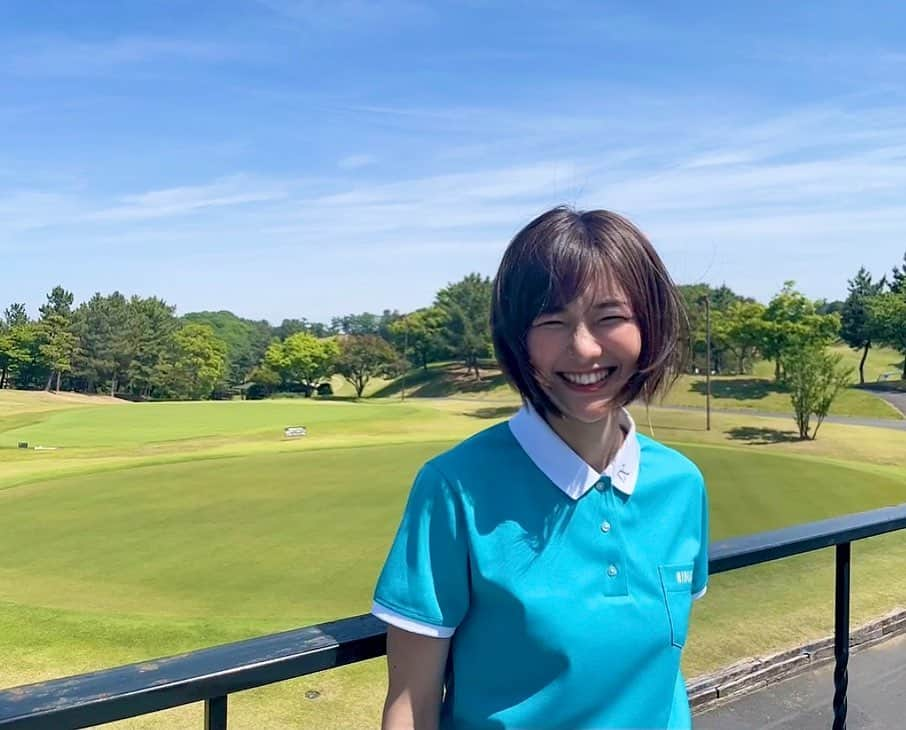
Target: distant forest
<point x="139" y="348"/>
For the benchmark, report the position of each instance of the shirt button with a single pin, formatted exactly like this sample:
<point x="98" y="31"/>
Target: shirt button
<point x="605" y="526"/>
<point x="612" y="571"/>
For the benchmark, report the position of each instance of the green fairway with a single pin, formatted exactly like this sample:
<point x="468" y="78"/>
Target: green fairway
<point x="761" y="394"/>
<point x="880" y="360"/>
<point x="160" y="528"/>
<point x="756" y="392"/>
<point x="143" y="540"/>
<point x="759" y="391"/>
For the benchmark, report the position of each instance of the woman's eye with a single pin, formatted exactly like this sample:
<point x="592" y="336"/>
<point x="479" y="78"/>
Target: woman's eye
<point x="548" y="322"/>
<point x="612" y="318"/>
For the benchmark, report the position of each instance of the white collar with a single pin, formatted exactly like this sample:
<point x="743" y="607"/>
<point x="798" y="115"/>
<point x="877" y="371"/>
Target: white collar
<point x="563" y="466"/>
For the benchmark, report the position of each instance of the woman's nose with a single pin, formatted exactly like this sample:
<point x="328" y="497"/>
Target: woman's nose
<point x="584" y="343"/>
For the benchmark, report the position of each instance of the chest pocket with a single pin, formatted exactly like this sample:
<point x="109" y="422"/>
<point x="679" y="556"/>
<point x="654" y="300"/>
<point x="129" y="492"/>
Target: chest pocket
<point x="676" y="583"/>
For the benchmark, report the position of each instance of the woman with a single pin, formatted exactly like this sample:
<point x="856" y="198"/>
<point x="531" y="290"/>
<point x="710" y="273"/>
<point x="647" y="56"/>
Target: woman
<point x="544" y="569"/>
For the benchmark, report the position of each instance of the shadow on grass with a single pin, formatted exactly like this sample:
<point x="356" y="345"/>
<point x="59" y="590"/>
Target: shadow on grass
<point x="887" y="386"/>
<point x="441" y="381"/>
<point x="495" y="412"/>
<point x="737" y="388"/>
<point x="762" y="436"/>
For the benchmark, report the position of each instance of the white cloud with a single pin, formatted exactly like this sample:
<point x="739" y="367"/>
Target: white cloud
<point x="348" y="15"/>
<point x="354" y="162"/>
<point x="67" y="57"/>
<point x="228" y="192"/>
<point x="815" y="189"/>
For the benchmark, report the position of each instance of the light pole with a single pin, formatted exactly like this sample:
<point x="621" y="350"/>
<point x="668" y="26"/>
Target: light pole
<point x="706" y="300"/>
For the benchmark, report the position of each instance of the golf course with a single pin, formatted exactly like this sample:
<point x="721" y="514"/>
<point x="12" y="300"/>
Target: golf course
<point x="130" y="531"/>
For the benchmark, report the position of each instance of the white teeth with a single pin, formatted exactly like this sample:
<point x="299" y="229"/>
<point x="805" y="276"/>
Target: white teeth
<point x="586" y="378"/>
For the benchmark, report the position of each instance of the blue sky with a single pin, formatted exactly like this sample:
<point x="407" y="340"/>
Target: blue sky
<point x="284" y="158"/>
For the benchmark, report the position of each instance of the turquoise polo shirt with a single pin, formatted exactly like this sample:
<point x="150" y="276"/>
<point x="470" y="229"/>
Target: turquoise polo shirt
<point x="565" y="592"/>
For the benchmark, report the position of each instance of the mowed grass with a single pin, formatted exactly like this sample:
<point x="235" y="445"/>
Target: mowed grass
<point x="762" y="394"/>
<point x="757" y="392"/>
<point x="154" y="545"/>
<point x="880" y="360"/>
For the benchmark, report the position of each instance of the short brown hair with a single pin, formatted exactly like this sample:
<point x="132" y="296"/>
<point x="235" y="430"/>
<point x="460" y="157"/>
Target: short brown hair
<point x="556" y="257"/>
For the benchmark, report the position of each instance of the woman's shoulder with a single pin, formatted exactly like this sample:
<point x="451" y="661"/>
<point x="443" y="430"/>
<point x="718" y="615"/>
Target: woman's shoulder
<point x="488" y="444"/>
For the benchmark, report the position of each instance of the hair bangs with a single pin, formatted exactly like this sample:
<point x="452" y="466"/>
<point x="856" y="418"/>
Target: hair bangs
<point x="569" y="266"/>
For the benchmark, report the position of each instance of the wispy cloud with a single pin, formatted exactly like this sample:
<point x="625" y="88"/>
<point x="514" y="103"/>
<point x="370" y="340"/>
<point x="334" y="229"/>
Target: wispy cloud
<point x="354" y="162"/>
<point x="68" y="57"/>
<point x="349" y="15"/>
<point x="717" y="201"/>
<point x="229" y="192"/>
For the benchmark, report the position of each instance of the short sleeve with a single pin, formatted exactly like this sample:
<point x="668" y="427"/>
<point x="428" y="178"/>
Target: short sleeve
<point x="700" y="570"/>
<point x="424" y="585"/>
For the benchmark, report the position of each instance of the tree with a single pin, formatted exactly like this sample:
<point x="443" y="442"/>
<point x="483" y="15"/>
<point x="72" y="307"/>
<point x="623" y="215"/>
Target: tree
<point x="302" y="359"/>
<point x="887" y="313"/>
<point x="898" y="277"/>
<point x="738" y="330"/>
<point x="57" y="343"/>
<point x="264" y="381"/>
<point x="7" y="354"/>
<point x="822" y="306"/>
<point x="13" y="346"/>
<point x="363" y="357"/>
<point x="150" y="326"/>
<point x="721" y="300"/>
<point x="790" y="322"/>
<point x="466" y="306"/>
<point x="814" y="377"/>
<point x="855" y="321"/>
<point x="194" y="363"/>
<point x="101" y="325"/>
<point x="15" y="315"/>
<point x="386" y="322"/>
<point x="21" y="361"/>
<point x="293" y="326"/>
<point x="419" y="335"/>
<point x="365" y="323"/>
<point x="246" y="340"/>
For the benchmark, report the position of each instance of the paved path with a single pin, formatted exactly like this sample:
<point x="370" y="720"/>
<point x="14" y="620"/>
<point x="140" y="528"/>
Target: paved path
<point x="876" y="698"/>
<point x="896" y="398"/>
<point x="896" y="424"/>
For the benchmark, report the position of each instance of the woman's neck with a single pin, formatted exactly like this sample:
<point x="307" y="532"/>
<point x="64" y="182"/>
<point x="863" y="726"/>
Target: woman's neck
<point x="596" y="443"/>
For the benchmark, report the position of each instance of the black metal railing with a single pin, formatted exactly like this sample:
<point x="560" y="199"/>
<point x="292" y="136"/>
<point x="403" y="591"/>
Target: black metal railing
<point x="211" y="675"/>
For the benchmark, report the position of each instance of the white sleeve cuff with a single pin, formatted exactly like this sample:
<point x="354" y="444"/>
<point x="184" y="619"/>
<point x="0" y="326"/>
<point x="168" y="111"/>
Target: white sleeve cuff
<point x="702" y="592"/>
<point x="389" y="616"/>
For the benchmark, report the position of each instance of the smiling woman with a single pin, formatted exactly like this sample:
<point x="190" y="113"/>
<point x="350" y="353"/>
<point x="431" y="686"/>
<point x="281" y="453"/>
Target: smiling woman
<point x="518" y="544"/>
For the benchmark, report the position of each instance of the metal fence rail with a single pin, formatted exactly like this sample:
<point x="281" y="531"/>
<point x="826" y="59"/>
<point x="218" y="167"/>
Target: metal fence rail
<point x="211" y="675"/>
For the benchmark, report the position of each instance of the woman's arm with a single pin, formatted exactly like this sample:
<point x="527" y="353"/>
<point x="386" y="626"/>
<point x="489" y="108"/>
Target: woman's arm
<point x="415" y="666"/>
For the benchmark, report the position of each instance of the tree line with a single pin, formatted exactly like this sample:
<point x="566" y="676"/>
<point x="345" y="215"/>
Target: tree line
<point x="138" y="347"/>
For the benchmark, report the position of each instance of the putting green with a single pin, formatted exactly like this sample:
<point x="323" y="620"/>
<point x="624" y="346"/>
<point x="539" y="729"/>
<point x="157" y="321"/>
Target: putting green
<point x="262" y="536"/>
<point x="167" y="422"/>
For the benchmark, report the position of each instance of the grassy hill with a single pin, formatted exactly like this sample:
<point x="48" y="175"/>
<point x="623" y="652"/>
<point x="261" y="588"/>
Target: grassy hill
<point x="880" y="360"/>
<point x="757" y="392"/>
<point x="17" y="402"/>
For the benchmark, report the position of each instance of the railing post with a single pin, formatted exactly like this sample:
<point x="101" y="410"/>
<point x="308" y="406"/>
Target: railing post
<point x="841" y="635"/>
<point x="215" y="713"/>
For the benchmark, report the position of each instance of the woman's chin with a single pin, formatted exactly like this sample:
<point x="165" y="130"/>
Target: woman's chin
<point x="586" y="410"/>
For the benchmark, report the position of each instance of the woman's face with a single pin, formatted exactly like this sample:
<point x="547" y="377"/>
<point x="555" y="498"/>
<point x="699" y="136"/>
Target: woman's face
<point x="584" y="354"/>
